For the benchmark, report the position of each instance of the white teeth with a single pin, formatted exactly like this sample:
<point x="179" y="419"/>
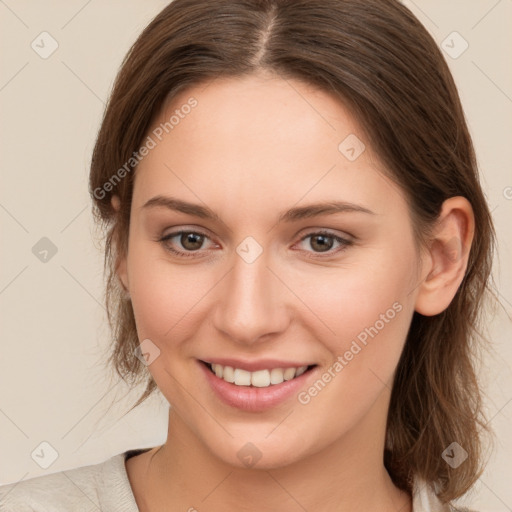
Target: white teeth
<point x="229" y="374"/>
<point x="301" y="370"/>
<point x="276" y="376"/>
<point x="218" y="369"/>
<point x="289" y="373"/>
<point x="260" y="378"/>
<point x="242" y="377"/>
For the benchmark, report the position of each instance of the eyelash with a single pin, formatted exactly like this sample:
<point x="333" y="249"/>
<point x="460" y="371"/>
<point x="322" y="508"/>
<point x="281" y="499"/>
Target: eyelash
<point x="193" y="254"/>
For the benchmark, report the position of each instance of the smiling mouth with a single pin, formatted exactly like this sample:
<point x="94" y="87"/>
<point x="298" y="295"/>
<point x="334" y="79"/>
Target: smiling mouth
<point x="259" y="378"/>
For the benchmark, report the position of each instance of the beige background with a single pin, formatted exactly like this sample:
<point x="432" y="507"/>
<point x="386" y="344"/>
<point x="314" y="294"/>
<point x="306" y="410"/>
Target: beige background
<point x="53" y="387"/>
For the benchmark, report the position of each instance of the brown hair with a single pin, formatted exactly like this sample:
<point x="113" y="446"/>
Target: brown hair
<point x="381" y="62"/>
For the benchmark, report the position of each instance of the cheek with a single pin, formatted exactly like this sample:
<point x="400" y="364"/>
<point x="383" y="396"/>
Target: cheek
<point x="369" y="307"/>
<point x="366" y="299"/>
<point x="165" y="300"/>
<point x="164" y="296"/>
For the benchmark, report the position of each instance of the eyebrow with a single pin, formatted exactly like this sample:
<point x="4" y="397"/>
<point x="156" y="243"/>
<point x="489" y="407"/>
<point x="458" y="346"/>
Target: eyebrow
<point x="292" y="215"/>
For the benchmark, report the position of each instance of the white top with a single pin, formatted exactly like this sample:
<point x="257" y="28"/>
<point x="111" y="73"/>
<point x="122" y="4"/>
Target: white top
<point x="106" y="487"/>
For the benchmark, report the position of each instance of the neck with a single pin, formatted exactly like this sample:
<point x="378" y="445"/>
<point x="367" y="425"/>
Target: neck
<point x="347" y="475"/>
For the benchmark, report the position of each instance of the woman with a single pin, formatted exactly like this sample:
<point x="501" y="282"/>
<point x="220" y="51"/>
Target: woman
<point x="298" y="247"/>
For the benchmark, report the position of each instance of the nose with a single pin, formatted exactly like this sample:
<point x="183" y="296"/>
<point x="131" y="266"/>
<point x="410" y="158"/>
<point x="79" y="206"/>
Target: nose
<point x="251" y="302"/>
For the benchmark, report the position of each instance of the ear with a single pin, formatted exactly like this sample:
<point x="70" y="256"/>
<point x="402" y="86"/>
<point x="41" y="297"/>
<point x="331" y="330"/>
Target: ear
<point x="446" y="260"/>
<point x="121" y="264"/>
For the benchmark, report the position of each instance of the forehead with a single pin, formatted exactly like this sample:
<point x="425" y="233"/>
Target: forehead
<point x="262" y="108"/>
<point x="259" y="137"/>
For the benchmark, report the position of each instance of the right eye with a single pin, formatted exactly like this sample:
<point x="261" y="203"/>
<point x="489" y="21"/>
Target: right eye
<point x="190" y="241"/>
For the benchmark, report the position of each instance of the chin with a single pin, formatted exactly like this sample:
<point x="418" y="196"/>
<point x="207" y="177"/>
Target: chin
<point x="258" y="453"/>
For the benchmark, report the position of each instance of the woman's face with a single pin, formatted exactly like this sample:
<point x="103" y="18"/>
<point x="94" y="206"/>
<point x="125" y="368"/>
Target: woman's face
<point x="297" y="252"/>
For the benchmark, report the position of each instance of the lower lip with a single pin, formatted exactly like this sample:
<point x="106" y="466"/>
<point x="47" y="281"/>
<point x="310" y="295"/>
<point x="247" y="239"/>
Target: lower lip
<point x="254" y="399"/>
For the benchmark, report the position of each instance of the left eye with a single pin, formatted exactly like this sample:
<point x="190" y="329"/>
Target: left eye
<point x="323" y="242"/>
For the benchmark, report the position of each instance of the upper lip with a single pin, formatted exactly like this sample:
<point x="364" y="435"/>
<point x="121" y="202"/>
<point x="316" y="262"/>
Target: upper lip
<point x="253" y="366"/>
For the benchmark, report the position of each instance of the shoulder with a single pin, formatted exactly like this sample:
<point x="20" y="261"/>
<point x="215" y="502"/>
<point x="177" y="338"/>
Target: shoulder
<point x="103" y="486"/>
<point x="425" y="499"/>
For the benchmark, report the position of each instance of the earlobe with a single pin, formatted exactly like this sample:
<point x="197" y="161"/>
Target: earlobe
<point x="121" y="266"/>
<point x="448" y="256"/>
<point x="115" y="202"/>
<point x="122" y="275"/>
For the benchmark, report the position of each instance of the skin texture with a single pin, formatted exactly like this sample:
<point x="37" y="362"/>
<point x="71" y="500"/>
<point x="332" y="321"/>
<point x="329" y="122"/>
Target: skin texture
<point x="251" y="149"/>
